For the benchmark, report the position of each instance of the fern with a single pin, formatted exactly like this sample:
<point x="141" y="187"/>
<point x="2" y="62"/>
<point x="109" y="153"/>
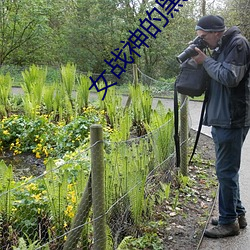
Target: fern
<point x="56" y="184"/>
<point x="6" y="184"/>
<point x="82" y="97"/>
<point x="68" y="74"/>
<point x="33" y="86"/>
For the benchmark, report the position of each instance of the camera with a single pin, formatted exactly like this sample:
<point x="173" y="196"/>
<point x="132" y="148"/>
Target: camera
<point x="190" y="51"/>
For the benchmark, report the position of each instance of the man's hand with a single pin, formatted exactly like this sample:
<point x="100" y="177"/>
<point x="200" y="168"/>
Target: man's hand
<point x="200" y="58"/>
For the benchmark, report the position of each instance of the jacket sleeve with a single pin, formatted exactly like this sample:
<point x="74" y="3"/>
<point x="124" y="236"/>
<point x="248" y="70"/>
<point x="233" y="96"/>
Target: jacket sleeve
<point x="234" y="66"/>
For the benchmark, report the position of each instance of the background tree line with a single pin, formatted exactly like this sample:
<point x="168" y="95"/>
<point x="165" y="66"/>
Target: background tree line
<point x="84" y="32"/>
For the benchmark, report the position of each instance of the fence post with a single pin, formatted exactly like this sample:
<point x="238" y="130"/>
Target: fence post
<point x="135" y="74"/>
<point x="184" y="135"/>
<point x="98" y="195"/>
<point x="80" y="218"/>
<point x="135" y="82"/>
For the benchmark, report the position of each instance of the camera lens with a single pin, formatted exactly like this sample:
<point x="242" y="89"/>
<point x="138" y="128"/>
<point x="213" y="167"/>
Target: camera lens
<point x="187" y="53"/>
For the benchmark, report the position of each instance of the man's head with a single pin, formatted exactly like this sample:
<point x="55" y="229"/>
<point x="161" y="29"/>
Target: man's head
<point x="211" y="29"/>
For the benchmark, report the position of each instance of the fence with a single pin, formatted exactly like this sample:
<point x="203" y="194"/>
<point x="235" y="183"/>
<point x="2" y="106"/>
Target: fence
<point x="95" y="202"/>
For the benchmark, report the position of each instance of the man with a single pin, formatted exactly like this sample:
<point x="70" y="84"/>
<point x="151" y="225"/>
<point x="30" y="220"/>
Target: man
<point x="228" y="112"/>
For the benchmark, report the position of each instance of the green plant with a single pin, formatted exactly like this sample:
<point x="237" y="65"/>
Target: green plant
<point x="28" y="245"/>
<point x="30" y="208"/>
<point x="141" y="104"/>
<point x="56" y="187"/>
<point x="48" y="98"/>
<point x="6" y="184"/>
<point x="184" y="181"/>
<point x="33" y="85"/>
<point x="126" y="173"/>
<point x="164" y="191"/>
<point x="147" y="241"/>
<point x="44" y="137"/>
<point x="113" y="107"/>
<point x="68" y="74"/>
<point x="176" y="199"/>
<point x="5" y="90"/>
<point x="161" y="126"/>
<point x="82" y="96"/>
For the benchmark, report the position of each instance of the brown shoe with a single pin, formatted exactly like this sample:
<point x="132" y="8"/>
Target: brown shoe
<point x="241" y="219"/>
<point x="221" y="231"/>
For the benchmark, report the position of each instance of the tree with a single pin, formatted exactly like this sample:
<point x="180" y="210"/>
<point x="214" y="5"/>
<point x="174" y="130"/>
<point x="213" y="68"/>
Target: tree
<point x="21" y="21"/>
<point x="237" y="12"/>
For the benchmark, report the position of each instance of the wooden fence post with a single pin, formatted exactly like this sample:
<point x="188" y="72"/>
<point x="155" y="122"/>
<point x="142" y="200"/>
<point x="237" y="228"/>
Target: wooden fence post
<point x="80" y="218"/>
<point x="98" y="194"/>
<point x="135" y="74"/>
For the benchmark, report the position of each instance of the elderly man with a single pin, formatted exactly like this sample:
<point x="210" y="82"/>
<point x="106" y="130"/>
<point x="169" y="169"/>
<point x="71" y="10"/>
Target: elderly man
<point x="228" y="112"/>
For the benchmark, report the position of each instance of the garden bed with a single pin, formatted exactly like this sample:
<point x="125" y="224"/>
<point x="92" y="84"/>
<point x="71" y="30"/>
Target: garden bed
<point x="178" y="222"/>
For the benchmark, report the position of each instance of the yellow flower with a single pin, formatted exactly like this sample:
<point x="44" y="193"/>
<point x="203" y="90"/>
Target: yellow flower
<point x="69" y="211"/>
<point x="14" y="209"/>
<point x="37" y="196"/>
<point x="73" y="199"/>
<point x="31" y="187"/>
<point x="38" y="156"/>
<point x="45" y="151"/>
<point x="6" y="132"/>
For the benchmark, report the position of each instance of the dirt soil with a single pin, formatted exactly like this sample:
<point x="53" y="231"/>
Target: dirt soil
<point x="187" y="222"/>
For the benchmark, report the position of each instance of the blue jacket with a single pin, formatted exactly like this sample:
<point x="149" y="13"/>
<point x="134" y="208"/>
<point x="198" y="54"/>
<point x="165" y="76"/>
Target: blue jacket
<point x="228" y="103"/>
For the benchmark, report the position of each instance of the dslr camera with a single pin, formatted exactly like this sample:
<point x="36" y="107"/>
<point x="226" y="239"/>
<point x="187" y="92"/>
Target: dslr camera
<point x="190" y="51"/>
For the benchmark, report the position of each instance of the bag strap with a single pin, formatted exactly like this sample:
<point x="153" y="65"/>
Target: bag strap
<point x="176" y="126"/>
<point x="199" y="127"/>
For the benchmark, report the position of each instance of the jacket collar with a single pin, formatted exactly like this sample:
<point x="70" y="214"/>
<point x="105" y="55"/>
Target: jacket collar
<point x="231" y="32"/>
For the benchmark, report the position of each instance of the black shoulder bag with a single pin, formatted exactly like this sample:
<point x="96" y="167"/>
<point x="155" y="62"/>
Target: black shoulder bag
<point x="192" y="79"/>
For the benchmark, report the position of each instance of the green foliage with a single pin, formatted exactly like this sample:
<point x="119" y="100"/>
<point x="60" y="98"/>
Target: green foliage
<point x="48" y="98"/>
<point x="29" y="245"/>
<point x="23" y="28"/>
<point x="112" y="104"/>
<point x="163" y="122"/>
<point x="5" y="90"/>
<point x="56" y="183"/>
<point x="6" y="184"/>
<point x="33" y="85"/>
<point x="147" y="241"/>
<point x="82" y="98"/>
<point x="141" y="104"/>
<point x="128" y="161"/>
<point x="68" y="73"/>
<point x="43" y="137"/>
<point x="30" y="206"/>
<point x="164" y="191"/>
<point x="126" y="172"/>
<point x="43" y="32"/>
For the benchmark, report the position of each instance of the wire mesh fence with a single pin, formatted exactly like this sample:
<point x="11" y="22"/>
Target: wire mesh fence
<point x="41" y="210"/>
<point x="55" y="210"/>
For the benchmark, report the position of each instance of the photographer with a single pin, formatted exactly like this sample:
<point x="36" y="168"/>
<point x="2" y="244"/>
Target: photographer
<point x="228" y="112"/>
